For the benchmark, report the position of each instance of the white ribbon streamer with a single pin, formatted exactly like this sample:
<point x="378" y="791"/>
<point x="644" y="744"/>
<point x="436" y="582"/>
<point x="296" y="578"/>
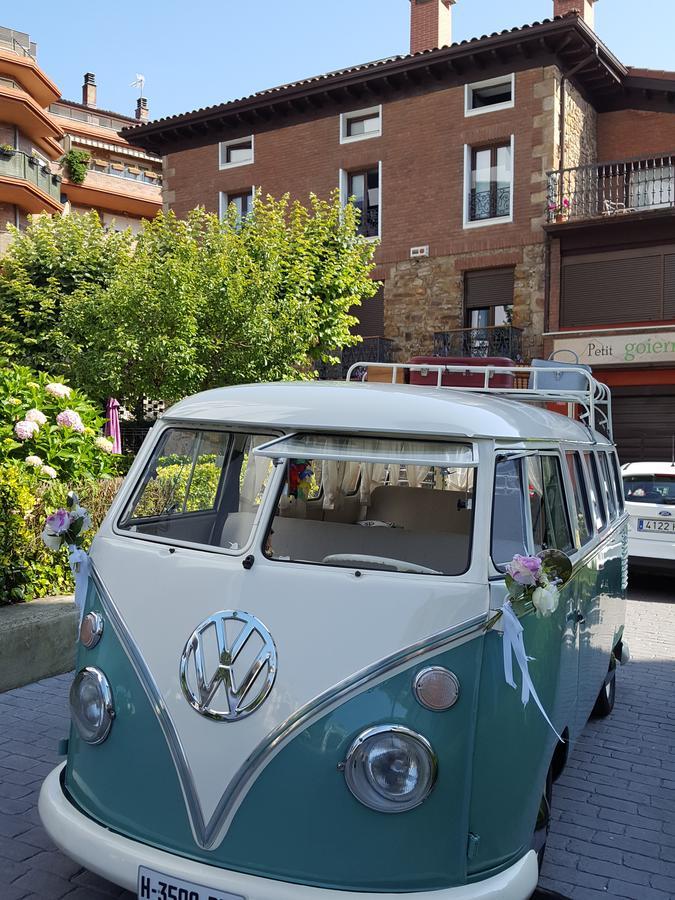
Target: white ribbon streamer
<point x="78" y="560"/>
<point x="513" y="644"/>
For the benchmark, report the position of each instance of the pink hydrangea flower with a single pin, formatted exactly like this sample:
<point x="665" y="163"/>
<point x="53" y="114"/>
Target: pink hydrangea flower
<point x="35" y="415"/>
<point x="48" y="472"/>
<point x="56" y="389"/>
<point x="25" y="430"/>
<point x="70" y="419"/>
<point x="34" y="461"/>
<point x="525" y="570"/>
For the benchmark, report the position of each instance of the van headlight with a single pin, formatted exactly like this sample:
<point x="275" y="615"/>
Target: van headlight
<point x="390" y="768"/>
<point x="91" y="705"/>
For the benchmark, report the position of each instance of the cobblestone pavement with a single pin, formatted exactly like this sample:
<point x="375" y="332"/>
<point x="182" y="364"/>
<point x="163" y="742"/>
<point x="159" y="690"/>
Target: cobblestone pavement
<point x="613" y="833"/>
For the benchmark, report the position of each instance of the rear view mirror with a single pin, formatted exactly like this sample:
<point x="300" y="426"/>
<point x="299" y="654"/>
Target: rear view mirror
<point x="558" y="564"/>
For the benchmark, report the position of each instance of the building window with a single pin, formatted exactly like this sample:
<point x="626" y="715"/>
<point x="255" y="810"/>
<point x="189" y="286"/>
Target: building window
<point x="236" y="153"/>
<point x="361" y="125"/>
<point x="652" y="187"/>
<point x="488" y="304"/>
<point x="489" y="184"/>
<point x="242" y="202"/>
<point x="488" y="96"/>
<point x="364" y="187"/>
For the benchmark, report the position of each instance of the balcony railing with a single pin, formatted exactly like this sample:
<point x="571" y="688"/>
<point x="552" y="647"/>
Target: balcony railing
<point x="374" y="349"/>
<point x="492" y="204"/>
<point x="28" y="168"/>
<point x="612" y="189"/>
<point x="498" y="340"/>
<point x="119" y="170"/>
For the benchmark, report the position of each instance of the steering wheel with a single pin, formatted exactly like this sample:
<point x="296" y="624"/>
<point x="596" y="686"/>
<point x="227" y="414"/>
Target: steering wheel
<point x="381" y="562"/>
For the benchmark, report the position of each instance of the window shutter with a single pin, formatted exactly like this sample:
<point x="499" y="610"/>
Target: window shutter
<point x="669" y="287"/>
<point x="619" y="288"/>
<point x="370" y="315"/>
<point x="488" y="287"/>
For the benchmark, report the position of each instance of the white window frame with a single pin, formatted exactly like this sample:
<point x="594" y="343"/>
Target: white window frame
<point x="224" y="200"/>
<point x="222" y="151"/>
<point x="344" y="196"/>
<point x="497" y="220"/>
<point x="490" y="82"/>
<point x="357" y="114"/>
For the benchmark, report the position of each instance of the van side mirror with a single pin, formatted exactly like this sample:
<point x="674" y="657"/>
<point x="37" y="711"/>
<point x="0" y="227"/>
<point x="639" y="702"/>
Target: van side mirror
<point x="558" y="564"/>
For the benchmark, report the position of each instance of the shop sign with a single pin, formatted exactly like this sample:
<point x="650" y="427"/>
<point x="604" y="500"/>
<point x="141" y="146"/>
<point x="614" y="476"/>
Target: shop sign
<point x="619" y="349"/>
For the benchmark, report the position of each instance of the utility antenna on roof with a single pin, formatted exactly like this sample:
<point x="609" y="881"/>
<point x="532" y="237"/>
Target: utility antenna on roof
<point x="139" y="83"/>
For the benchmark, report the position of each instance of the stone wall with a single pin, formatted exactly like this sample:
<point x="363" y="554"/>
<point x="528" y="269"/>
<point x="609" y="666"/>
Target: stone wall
<point x="581" y="129"/>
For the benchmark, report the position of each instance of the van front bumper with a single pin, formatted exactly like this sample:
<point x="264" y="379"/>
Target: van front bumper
<point x="117" y="859"/>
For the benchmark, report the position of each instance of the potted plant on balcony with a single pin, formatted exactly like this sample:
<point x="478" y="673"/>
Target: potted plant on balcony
<point x="76" y="163"/>
<point x="33" y="161"/>
<point x="7" y="151"/>
<point x="560" y="212"/>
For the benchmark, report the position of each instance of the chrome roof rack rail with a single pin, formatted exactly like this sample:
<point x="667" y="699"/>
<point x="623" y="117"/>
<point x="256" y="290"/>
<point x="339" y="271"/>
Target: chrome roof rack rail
<point x="594" y="398"/>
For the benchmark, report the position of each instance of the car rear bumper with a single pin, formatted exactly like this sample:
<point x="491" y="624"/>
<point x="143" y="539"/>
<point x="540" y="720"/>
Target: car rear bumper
<point x="117" y="858"/>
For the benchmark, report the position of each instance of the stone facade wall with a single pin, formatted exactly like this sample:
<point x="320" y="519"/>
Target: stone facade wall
<point x="581" y="129"/>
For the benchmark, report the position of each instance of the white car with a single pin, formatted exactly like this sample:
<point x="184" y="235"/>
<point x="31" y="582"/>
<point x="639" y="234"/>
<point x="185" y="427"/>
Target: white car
<point x="649" y="489"/>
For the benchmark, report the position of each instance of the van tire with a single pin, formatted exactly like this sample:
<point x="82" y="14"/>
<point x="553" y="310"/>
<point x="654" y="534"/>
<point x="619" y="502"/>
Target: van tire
<point x="543" y="823"/>
<point x="605" y="702"/>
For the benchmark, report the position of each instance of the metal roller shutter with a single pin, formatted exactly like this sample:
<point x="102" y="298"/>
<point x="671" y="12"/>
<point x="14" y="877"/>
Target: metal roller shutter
<point x="370" y="315"/>
<point x="488" y="287"/>
<point x="644" y="425"/>
<point x="612" y="290"/>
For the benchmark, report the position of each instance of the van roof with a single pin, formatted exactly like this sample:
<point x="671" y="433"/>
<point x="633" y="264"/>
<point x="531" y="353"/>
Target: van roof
<point x="648" y="468"/>
<point x="378" y="409"/>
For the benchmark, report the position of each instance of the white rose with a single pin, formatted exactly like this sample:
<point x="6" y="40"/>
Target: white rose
<point x="545" y="600"/>
<point x="51" y="540"/>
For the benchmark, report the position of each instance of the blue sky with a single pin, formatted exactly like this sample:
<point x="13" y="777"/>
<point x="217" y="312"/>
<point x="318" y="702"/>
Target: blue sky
<point x="205" y="51"/>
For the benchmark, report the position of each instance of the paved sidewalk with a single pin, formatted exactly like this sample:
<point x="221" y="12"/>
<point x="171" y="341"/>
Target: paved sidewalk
<point x="613" y="833"/>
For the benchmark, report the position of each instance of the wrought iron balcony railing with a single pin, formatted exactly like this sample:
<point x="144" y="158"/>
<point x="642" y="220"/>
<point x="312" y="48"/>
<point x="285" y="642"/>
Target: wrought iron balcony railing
<point x="19" y="165"/>
<point x="492" y="204"/>
<point x="612" y="189"/>
<point x="498" y="340"/>
<point x="375" y="349"/>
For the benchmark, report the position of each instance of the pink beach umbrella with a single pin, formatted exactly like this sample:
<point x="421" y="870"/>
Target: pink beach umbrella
<point x="112" y="426"/>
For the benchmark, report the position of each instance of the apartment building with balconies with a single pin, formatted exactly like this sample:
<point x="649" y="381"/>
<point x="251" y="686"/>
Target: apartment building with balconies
<point x="37" y="126"/>
<point x="487" y="171"/>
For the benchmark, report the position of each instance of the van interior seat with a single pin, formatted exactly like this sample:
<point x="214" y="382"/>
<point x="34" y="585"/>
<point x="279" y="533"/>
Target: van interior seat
<point x="419" y="509"/>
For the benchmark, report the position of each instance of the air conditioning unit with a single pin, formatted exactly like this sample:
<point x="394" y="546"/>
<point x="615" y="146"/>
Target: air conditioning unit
<point x="419" y="252"/>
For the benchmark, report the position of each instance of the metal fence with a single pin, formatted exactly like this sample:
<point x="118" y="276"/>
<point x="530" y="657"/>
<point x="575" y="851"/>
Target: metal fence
<point x="370" y="350"/>
<point x="499" y="340"/>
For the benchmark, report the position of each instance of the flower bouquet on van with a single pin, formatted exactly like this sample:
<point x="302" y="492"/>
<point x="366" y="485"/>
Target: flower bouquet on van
<point x="533" y="584"/>
<point x="66" y="528"/>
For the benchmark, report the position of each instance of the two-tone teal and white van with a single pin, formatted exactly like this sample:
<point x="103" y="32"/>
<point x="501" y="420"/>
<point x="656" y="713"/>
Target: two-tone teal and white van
<point x="285" y="687"/>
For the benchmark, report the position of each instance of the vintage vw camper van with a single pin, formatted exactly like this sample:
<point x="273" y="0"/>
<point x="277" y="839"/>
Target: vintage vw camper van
<point x="285" y="687"/>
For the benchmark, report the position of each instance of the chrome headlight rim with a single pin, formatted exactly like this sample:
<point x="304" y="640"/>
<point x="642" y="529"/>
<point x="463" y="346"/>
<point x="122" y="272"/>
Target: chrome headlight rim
<point x="107" y="703"/>
<point x="91" y="630"/>
<point x="385" y="805"/>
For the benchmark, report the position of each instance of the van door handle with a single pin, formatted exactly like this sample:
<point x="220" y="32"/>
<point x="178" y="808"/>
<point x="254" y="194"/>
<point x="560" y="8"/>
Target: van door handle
<point x="575" y="617"/>
<point x="579" y="618"/>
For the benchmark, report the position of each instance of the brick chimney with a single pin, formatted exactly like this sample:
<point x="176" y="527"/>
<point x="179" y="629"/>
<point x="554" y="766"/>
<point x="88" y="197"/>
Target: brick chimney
<point x="430" y="24"/>
<point x="89" y="89"/>
<point x="142" y="111"/>
<point x="585" y="9"/>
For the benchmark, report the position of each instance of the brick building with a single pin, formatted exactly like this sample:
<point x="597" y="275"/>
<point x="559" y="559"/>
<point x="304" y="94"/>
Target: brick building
<point x="37" y="126"/>
<point x="480" y="166"/>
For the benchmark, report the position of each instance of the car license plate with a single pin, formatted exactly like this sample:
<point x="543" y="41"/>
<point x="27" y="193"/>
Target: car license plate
<point x="656" y="525"/>
<point x="156" y="886"/>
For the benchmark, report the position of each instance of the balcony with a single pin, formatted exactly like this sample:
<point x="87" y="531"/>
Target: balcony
<point x="29" y="184"/>
<point x="609" y="190"/>
<point x="497" y="340"/>
<point x="120" y="170"/>
<point x="492" y="204"/>
<point x="374" y="349"/>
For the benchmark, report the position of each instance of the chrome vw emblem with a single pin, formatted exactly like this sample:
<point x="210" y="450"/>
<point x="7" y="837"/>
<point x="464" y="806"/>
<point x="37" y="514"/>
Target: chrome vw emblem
<point x="228" y="666"/>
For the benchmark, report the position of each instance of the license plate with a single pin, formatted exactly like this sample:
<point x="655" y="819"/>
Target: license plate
<point x="156" y="886"/>
<point x="656" y="525"/>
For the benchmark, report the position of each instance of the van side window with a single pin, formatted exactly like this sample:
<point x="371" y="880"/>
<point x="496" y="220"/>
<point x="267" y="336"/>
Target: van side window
<point x="550" y="522"/>
<point x="584" y="523"/>
<point x="509" y="530"/>
<point x="618" y="480"/>
<point x="596" y="492"/>
<point x="609" y="486"/>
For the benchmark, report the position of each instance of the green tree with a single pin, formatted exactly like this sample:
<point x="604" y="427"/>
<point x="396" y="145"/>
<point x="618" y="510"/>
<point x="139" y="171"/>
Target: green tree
<point x="54" y="257"/>
<point x="202" y="303"/>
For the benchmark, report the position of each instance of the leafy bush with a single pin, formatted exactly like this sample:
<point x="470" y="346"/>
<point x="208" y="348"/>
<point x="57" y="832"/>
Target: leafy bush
<point x="76" y="163"/>
<point x="27" y="568"/>
<point x="50" y="429"/>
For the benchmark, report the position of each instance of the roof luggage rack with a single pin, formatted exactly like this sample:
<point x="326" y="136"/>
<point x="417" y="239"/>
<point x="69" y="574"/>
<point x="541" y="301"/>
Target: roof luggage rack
<point x="592" y="397"/>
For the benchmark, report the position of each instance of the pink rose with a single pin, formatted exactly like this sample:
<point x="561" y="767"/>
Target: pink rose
<point x="59" y="522"/>
<point x="525" y="570"/>
<point x="25" y="430"/>
<point x="70" y="419"/>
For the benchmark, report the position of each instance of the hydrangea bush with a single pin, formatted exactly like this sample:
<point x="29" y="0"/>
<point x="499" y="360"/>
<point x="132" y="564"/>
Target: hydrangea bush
<point x="50" y="429"/>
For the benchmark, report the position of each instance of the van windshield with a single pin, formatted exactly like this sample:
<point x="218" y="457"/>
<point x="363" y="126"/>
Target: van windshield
<point x="391" y="505"/>
<point x="197" y="485"/>
<point x="650" y="489"/>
